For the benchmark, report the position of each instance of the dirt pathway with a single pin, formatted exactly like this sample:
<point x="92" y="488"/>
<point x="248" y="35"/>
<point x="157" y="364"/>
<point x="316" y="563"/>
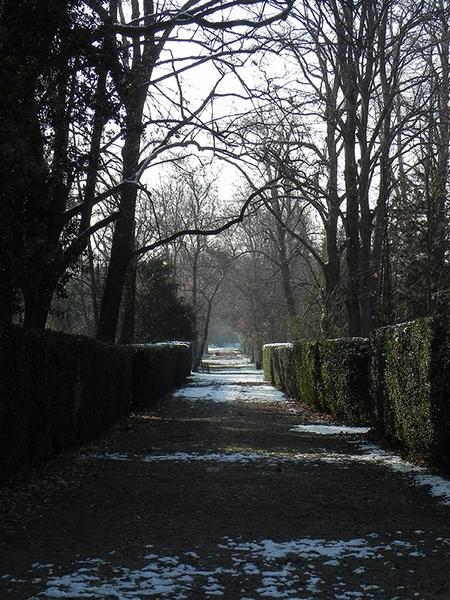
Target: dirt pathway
<point x="217" y="492"/>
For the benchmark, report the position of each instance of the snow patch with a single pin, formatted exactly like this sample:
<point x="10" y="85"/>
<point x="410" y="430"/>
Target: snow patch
<point x="229" y="392"/>
<point x="371" y="454"/>
<point x="266" y="568"/>
<point x="330" y="429"/>
<point x="438" y="486"/>
<point x="227" y="377"/>
<point x="215" y="457"/>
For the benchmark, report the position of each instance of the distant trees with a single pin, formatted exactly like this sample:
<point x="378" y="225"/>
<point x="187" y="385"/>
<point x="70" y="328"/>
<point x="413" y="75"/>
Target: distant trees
<point x="419" y="221"/>
<point x="188" y="199"/>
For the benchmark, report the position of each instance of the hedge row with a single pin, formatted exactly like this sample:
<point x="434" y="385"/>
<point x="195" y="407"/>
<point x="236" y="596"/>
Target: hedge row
<point x="158" y="369"/>
<point x="58" y="391"/>
<point x="397" y="381"/>
<point x="331" y="375"/>
<point x="277" y="367"/>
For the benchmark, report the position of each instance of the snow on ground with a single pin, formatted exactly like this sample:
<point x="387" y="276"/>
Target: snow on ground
<point x="242" y="458"/>
<point x="301" y="569"/>
<point x="234" y="378"/>
<point x="221" y="391"/>
<point x="234" y="385"/>
<point x="437" y="486"/>
<point x="229" y="385"/>
<point x="227" y="377"/>
<point x="234" y="347"/>
<point x="231" y="363"/>
<point x="330" y="429"/>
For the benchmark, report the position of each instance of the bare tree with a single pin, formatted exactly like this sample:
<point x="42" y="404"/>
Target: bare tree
<point x="139" y="44"/>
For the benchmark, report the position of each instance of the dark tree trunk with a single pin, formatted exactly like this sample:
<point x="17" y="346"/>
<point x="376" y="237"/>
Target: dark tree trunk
<point x="331" y="300"/>
<point x="332" y="274"/>
<point x="129" y="305"/>
<point x="195" y="307"/>
<point x="332" y="268"/>
<point x="38" y="299"/>
<point x="94" y="284"/>
<point x="352" y="227"/>
<point x="380" y="267"/>
<point x="203" y="338"/>
<point x="123" y="239"/>
<point x="347" y="64"/>
<point x="364" y="52"/>
<point x="283" y="259"/>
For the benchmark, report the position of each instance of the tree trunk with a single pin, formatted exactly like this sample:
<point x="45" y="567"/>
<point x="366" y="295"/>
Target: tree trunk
<point x="349" y="84"/>
<point x="123" y="239"/>
<point x="283" y="259"/>
<point x="332" y="267"/>
<point x="38" y="300"/>
<point x="195" y="308"/>
<point x="379" y="270"/>
<point x="204" y="337"/>
<point x="129" y="305"/>
<point x="440" y="278"/>
<point x="351" y="223"/>
<point x="93" y="276"/>
<point x="332" y="273"/>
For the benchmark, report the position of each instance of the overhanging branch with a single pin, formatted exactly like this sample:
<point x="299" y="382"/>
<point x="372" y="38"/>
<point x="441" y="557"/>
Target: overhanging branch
<point x="207" y="232"/>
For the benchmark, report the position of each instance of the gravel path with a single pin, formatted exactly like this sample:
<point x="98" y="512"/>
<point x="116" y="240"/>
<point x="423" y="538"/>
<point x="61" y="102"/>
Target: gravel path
<point x="229" y="490"/>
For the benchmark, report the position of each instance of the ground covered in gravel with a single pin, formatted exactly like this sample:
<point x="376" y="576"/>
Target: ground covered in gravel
<point x="227" y="489"/>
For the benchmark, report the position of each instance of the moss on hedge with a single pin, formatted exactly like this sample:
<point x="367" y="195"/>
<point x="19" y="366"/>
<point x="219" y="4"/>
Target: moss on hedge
<point x="58" y="391"/>
<point x="277" y="367"/>
<point x="410" y="386"/>
<point x="306" y="367"/>
<point x="267" y="362"/>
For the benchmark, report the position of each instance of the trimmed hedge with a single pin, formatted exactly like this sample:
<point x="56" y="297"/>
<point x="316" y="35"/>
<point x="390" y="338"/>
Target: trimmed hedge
<point x="158" y="369"/>
<point x="277" y="367"/>
<point x="58" y="391"/>
<point x="330" y="375"/>
<point x="343" y="379"/>
<point x="306" y="368"/>
<point x="398" y="381"/>
<point x="411" y="386"/>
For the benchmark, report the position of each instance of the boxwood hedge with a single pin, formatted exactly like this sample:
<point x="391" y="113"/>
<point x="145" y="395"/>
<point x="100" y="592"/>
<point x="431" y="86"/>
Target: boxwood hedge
<point x="277" y="367"/>
<point x="158" y="369"/>
<point x="331" y="375"/>
<point x="398" y="381"/>
<point x="58" y="391"/>
<point x="343" y="378"/>
<point x="410" y="386"/>
<point x="306" y="371"/>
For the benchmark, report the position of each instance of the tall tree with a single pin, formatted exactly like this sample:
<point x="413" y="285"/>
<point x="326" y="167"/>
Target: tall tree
<point x="139" y="44"/>
<point x="51" y="64"/>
